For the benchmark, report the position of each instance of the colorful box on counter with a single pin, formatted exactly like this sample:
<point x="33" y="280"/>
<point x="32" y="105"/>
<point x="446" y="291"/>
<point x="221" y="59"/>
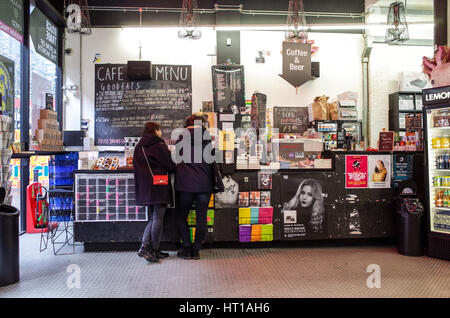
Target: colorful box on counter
<point x="210" y="218"/>
<point x="192" y="218"/>
<point x="267" y="232"/>
<point x="211" y="201"/>
<point x="192" y="234"/>
<point x="254" y="215"/>
<point x="265" y="215"/>
<point x="256" y="233"/>
<point x="244" y="215"/>
<point x="245" y="233"/>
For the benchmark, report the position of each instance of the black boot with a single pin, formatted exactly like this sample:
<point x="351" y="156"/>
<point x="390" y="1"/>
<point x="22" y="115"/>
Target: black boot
<point x="185" y="253"/>
<point x="152" y="257"/>
<point x="195" y="254"/>
<point x="160" y="254"/>
<point x="144" y="251"/>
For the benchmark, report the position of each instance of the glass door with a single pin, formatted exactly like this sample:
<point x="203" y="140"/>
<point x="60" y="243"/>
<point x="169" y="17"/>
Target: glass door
<point x="438" y="150"/>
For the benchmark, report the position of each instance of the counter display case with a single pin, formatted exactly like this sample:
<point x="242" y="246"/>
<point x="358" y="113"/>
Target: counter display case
<point x="106" y="212"/>
<point x="106" y="198"/>
<point x="437" y="139"/>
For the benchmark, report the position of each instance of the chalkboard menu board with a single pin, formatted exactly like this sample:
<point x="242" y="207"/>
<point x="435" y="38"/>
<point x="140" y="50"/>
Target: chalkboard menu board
<point x="291" y="120"/>
<point x="229" y="91"/>
<point x="122" y="107"/>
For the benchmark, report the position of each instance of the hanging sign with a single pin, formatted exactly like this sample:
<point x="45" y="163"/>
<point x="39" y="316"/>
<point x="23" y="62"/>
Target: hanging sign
<point x="44" y="35"/>
<point x="11" y="18"/>
<point x="296" y="63"/>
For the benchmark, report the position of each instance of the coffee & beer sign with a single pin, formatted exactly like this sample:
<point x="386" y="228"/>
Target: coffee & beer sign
<point x="296" y="63"/>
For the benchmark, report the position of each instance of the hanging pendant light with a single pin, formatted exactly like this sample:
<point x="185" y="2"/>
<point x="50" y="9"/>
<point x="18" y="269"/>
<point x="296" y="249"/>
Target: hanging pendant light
<point x="189" y="21"/>
<point x="397" y="28"/>
<point x="296" y="22"/>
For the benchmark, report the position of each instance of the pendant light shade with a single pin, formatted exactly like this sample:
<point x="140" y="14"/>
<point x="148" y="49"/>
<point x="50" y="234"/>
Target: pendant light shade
<point x="397" y="28"/>
<point x="296" y="21"/>
<point x="189" y="21"/>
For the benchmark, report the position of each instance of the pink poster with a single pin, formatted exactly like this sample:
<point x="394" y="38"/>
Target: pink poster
<point x="356" y="175"/>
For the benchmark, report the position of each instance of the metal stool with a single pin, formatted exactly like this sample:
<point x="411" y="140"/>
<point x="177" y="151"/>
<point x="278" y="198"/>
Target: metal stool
<point x="42" y="217"/>
<point x="62" y="214"/>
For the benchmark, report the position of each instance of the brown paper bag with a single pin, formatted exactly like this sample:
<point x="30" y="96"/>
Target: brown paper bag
<point x="320" y="109"/>
<point x="333" y="111"/>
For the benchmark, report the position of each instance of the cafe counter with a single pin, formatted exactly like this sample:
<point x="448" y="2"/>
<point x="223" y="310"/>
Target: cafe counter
<point x="354" y="199"/>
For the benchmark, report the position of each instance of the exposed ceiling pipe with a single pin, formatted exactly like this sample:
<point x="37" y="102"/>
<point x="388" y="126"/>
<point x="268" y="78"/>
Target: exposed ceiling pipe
<point x="217" y="8"/>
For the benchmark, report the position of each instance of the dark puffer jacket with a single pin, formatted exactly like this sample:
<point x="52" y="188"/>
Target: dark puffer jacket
<point x="160" y="161"/>
<point x="195" y="177"/>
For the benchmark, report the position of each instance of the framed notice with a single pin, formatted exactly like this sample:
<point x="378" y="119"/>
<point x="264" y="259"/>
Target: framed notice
<point x="356" y="172"/>
<point x="386" y="141"/>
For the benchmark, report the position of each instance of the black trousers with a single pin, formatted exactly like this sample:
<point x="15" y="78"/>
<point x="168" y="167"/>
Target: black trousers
<point x="184" y="201"/>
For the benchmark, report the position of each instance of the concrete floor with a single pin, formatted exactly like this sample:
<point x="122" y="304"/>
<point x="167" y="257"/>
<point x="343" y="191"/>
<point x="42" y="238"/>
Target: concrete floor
<point x="230" y="273"/>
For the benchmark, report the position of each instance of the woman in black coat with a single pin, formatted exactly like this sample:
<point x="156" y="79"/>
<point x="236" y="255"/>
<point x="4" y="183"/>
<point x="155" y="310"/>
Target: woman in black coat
<point x="157" y="197"/>
<point x="195" y="181"/>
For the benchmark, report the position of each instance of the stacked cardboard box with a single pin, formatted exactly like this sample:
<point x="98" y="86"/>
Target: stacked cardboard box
<point x="48" y="135"/>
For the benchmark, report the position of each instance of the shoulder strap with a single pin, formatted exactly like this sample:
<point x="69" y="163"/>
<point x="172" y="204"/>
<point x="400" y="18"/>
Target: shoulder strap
<point x="147" y="161"/>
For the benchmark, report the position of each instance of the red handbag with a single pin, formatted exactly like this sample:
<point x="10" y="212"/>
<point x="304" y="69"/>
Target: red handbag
<point x="160" y="179"/>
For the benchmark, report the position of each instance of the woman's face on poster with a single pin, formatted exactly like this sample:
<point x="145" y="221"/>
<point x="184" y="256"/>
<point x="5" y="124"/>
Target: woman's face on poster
<point x="306" y="196"/>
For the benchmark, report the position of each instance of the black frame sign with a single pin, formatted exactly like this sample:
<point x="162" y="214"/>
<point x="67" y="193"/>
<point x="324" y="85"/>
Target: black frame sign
<point x="296" y="63"/>
<point x="122" y="107"/>
<point x="291" y="120"/>
<point x="386" y="141"/>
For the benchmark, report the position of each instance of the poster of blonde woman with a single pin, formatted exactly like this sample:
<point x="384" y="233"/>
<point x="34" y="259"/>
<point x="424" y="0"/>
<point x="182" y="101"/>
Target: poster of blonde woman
<point x="379" y="171"/>
<point x="303" y="211"/>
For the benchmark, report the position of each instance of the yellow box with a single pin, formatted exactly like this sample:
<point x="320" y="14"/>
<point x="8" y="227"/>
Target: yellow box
<point x="244" y="215"/>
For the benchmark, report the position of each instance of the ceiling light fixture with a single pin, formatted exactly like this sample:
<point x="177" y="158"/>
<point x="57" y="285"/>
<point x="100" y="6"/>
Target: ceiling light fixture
<point x="397" y="28"/>
<point x="296" y="22"/>
<point x="189" y="21"/>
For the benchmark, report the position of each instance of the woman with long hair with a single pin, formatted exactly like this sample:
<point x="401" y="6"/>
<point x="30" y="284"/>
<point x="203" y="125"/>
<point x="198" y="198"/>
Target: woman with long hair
<point x="308" y="200"/>
<point x="151" y="158"/>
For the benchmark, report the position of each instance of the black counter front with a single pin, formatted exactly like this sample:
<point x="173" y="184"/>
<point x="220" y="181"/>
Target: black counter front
<point x="337" y="212"/>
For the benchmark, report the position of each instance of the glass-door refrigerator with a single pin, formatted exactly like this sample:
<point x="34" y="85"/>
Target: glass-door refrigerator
<point x="436" y="110"/>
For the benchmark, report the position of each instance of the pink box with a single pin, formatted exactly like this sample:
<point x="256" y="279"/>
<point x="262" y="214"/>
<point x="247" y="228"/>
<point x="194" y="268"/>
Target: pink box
<point x="265" y="215"/>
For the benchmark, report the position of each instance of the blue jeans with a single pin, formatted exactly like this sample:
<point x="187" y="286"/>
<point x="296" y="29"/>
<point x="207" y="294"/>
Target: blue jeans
<point x="184" y="201"/>
<point x="153" y="230"/>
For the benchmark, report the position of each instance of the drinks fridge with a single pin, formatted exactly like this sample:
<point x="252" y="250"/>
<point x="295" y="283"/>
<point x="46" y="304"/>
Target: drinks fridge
<point x="436" y="103"/>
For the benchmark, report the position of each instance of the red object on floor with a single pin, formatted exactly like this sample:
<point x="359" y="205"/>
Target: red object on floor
<point x="35" y="220"/>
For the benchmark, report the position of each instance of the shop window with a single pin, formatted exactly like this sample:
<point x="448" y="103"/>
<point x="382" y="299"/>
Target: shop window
<point x="43" y="68"/>
<point x="11" y="58"/>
